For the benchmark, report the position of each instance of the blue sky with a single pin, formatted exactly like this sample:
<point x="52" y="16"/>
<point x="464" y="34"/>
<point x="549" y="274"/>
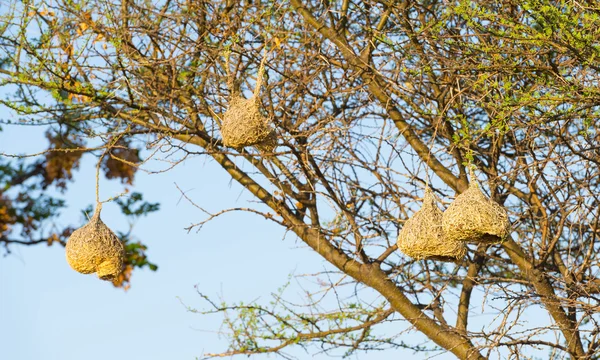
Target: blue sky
<point x="50" y="312"/>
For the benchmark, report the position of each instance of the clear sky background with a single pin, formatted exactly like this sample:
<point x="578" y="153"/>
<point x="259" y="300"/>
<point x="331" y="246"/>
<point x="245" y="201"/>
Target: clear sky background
<point x="50" y="312"/>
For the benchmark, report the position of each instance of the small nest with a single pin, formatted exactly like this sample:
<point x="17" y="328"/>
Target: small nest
<point x="243" y="124"/>
<point x="473" y="217"/>
<point x="94" y="248"/>
<point x="422" y="236"/>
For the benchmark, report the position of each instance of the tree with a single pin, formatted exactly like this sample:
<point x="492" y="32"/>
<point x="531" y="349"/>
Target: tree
<point x="369" y="100"/>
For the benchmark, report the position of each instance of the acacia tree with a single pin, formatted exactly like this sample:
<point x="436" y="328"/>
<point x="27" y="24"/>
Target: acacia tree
<point x="369" y="100"/>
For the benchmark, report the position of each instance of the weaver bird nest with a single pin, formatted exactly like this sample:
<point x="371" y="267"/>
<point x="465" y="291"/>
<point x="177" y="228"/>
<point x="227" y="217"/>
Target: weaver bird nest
<point x="473" y="217"/>
<point x="422" y="236"/>
<point x="94" y="248"/>
<point x="243" y="124"/>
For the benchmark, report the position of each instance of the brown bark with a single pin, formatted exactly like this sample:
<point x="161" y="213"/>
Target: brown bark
<point x="376" y="87"/>
<point x="369" y="274"/>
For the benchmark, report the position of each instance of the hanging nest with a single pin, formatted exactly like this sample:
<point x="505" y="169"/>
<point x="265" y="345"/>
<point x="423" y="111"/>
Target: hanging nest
<point x="243" y="124"/>
<point x="94" y="248"/>
<point x="422" y="236"/>
<point x="473" y="217"/>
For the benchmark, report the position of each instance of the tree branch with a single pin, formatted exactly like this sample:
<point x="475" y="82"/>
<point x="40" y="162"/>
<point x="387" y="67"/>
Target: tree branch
<point x="376" y="87"/>
<point x="467" y="287"/>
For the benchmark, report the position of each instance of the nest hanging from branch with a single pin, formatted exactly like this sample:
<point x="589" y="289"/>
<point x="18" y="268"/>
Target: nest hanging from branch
<point x="94" y="248"/>
<point x="422" y="236"/>
<point x="243" y="124"/>
<point x="473" y="217"/>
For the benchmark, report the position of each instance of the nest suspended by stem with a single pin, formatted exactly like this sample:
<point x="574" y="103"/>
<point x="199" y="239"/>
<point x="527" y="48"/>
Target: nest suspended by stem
<point x="473" y="217"/>
<point x="422" y="236"/>
<point x="243" y="124"/>
<point x="94" y="248"/>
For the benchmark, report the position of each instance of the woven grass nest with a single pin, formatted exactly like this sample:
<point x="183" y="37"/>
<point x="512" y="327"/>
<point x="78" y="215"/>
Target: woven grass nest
<point x="422" y="236"/>
<point x="243" y="124"/>
<point x="94" y="248"/>
<point x="473" y="217"/>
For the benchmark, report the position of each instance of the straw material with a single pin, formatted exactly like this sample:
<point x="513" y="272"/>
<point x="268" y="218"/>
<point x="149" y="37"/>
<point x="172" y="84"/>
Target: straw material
<point x="473" y="217"/>
<point x="94" y="248"/>
<point x="243" y="124"/>
<point x="422" y="237"/>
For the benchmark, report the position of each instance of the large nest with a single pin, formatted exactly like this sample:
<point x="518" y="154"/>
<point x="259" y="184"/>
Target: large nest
<point x="473" y="217"/>
<point x="422" y="236"/>
<point x="243" y="124"/>
<point x="94" y="248"/>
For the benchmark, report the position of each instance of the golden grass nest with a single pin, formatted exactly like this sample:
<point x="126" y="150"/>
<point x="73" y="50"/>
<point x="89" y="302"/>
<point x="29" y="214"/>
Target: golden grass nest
<point x="422" y="236"/>
<point x="243" y="124"/>
<point x="94" y="248"/>
<point x="473" y="217"/>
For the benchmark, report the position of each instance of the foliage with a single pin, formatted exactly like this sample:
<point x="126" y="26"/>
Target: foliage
<point x="29" y="212"/>
<point x="370" y="100"/>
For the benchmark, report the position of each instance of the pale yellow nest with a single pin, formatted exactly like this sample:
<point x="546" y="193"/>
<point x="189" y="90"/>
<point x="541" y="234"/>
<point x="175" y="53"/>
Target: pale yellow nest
<point x="473" y="217"/>
<point x="422" y="236"/>
<point x="94" y="248"/>
<point x="243" y="124"/>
